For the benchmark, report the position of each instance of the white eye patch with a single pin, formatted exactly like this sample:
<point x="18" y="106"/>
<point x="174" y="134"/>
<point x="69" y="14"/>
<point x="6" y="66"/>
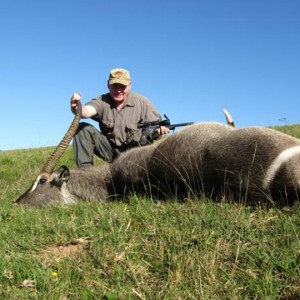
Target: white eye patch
<point x="35" y="184"/>
<point x="40" y="180"/>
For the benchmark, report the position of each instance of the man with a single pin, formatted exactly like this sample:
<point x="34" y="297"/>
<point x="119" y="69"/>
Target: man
<point x="118" y="113"/>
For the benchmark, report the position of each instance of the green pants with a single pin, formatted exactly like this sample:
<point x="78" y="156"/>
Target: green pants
<point x="89" y="141"/>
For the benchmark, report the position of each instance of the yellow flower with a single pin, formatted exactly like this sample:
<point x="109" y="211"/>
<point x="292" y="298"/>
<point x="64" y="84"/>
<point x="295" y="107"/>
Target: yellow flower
<point x="54" y="274"/>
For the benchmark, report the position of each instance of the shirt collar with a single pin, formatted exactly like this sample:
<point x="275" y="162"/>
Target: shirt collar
<point x="129" y="101"/>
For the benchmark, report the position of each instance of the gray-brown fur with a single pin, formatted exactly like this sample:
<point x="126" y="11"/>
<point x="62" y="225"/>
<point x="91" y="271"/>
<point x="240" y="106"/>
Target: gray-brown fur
<point x="130" y="172"/>
<point x="208" y="158"/>
<point x="217" y="159"/>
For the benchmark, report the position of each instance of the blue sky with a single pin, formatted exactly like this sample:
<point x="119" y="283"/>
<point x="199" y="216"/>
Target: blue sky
<point x="191" y="58"/>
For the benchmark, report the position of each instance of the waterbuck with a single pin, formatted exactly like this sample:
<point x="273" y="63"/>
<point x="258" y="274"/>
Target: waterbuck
<point x="252" y="165"/>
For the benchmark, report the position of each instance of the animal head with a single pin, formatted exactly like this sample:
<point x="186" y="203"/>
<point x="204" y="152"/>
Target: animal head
<point x="47" y="183"/>
<point x="47" y="189"/>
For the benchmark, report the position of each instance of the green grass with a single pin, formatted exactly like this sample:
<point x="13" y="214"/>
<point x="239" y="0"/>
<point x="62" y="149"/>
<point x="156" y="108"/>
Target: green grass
<point x="293" y="130"/>
<point x="141" y="249"/>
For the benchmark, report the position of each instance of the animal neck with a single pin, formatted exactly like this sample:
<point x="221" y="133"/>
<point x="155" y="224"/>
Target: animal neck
<point x="90" y="184"/>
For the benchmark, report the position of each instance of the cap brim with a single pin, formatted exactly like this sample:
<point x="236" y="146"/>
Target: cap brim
<point x="120" y="81"/>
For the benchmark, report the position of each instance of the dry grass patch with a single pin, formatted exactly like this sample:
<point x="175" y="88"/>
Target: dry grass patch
<point x="56" y="253"/>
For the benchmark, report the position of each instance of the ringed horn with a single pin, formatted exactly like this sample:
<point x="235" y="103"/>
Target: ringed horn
<point x="60" y="149"/>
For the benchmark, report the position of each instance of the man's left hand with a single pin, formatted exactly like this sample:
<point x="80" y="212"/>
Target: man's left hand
<point x="163" y="130"/>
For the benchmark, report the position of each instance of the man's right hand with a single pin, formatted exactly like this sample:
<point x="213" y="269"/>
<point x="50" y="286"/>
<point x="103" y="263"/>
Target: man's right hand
<point x="74" y="99"/>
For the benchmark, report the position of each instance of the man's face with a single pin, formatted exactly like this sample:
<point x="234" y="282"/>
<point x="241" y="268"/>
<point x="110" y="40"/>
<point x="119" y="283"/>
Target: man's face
<point x="119" y="92"/>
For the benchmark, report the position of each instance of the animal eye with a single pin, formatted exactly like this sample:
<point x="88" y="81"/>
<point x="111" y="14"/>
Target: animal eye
<point x="42" y="180"/>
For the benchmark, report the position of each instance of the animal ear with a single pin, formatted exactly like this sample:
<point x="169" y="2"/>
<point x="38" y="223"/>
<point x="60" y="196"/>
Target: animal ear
<point x="61" y="175"/>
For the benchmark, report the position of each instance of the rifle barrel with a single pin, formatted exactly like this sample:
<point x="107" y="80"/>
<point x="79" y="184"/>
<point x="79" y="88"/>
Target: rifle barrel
<point x="181" y="124"/>
<point x="157" y="124"/>
<point x="173" y="126"/>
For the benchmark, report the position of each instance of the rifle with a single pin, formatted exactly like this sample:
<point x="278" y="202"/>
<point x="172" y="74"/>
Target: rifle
<point x="149" y="129"/>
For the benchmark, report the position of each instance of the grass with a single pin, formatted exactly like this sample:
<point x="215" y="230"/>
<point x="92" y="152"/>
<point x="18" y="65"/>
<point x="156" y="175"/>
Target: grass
<point x="293" y="130"/>
<point x="141" y="249"/>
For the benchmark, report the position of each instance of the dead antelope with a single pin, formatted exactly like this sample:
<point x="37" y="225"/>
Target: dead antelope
<point x="253" y="165"/>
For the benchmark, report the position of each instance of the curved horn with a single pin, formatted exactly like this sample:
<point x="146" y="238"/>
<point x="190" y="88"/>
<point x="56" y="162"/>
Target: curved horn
<point x="229" y="118"/>
<point x="62" y="146"/>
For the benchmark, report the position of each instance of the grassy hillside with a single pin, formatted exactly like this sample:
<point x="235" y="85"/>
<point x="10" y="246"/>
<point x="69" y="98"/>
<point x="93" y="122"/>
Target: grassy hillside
<point x="293" y="130"/>
<point x="140" y="249"/>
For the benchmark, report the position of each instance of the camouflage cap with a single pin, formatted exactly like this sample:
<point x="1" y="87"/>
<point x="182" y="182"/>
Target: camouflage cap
<point x="120" y="76"/>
